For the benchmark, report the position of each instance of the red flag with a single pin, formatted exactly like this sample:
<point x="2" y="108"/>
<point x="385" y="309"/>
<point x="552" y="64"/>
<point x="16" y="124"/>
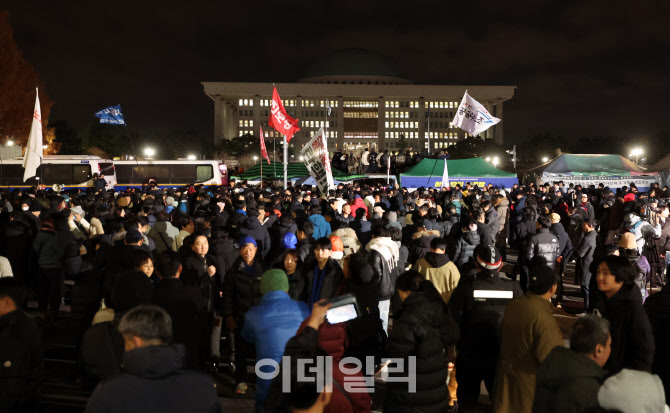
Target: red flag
<point x="264" y="152"/>
<point x="280" y="120"/>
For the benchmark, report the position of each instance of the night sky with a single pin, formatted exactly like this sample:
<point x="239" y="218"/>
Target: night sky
<point x="582" y="68"/>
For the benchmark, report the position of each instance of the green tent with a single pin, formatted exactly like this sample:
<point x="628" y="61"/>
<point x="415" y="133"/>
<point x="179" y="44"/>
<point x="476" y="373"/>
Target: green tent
<point x="428" y="173"/>
<point x="295" y="170"/>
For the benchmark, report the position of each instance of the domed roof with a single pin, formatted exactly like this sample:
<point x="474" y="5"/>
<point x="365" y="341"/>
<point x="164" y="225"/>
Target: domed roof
<point x="353" y="62"/>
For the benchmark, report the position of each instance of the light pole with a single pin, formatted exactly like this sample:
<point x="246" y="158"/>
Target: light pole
<point x="636" y="152"/>
<point x="495" y="161"/>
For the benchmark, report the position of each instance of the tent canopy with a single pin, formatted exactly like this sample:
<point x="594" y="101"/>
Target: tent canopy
<point x="295" y="170"/>
<point x="600" y="165"/>
<point x="661" y="166"/>
<point x="428" y="173"/>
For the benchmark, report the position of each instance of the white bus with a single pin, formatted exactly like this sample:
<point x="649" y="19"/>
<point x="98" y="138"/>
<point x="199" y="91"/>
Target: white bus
<point x="68" y="171"/>
<point x="170" y="173"/>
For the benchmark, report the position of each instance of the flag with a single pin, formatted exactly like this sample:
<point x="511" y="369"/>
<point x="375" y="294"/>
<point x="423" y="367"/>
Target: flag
<point x="111" y="115"/>
<point x="264" y="152"/>
<point x="388" y="161"/>
<point x="316" y="159"/>
<point x="514" y="156"/>
<point x="445" y="176"/>
<point x="280" y="120"/>
<point x="34" y="150"/>
<point x="473" y="117"/>
<point x="328" y="106"/>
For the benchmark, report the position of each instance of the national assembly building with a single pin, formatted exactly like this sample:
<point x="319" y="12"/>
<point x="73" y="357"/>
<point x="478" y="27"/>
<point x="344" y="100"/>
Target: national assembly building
<point x="371" y="105"/>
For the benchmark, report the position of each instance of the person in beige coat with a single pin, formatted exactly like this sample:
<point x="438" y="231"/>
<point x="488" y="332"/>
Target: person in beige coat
<point x="528" y="334"/>
<point x="436" y="267"/>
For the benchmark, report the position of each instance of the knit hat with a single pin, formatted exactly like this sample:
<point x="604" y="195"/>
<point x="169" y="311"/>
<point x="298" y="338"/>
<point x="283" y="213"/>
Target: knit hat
<point x="274" y="280"/>
<point x="289" y="241"/>
<point x="627" y="241"/>
<point x="615" y="393"/>
<point x="489" y="258"/>
<point x="337" y="243"/>
<point x="247" y="240"/>
<point x="35" y="206"/>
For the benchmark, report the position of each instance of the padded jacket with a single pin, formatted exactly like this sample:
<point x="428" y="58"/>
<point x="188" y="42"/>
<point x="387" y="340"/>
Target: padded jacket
<point x="545" y="244"/>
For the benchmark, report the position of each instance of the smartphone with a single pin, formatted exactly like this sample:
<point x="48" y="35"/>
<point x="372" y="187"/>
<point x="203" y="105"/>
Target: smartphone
<point x="345" y="308"/>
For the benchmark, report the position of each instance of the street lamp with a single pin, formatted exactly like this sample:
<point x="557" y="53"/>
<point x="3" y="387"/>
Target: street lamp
<point x="302" y="158"/>
<point x="149" y="152"/>
<point x="495" y="161"/>
<point x="10" y="143"/>
<point x="191" y="157"/>
<point x="545" y="159"/>
<point x="488" y="159"/>
<point x="255" y="158"/>
<point x="636" y="152"/>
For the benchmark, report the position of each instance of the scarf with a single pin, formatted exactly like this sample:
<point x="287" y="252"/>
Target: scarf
<point x="387" y="248"/>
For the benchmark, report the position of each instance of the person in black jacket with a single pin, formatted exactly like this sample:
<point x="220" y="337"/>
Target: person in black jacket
<point x="423" y="329"/>
<point x="658" y="311"/>
<point x="543" y="243"/>
<point x="16" y="244"/>
<point x="21" y="350"/>
<point x="154" y="379"/>
<point x="564" y="250"/>
<point x="253" y="228"/>
<point x="619" y="300"/>
<point x="465" y="245"/>
<point x="305" y="245"/>
<point x="184" y="304"/>
<point x="479" y="320"/>
<point x="241" y="291"/>
<point x="587" y="248"/>
<point x="323" y="275"/>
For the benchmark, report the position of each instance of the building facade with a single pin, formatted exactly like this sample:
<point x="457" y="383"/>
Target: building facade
<point x="370" y="106"/>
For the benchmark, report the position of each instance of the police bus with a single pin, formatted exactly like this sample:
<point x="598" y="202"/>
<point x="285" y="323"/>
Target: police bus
<point x="67" y="171"/>
<point x="170" y="173"/>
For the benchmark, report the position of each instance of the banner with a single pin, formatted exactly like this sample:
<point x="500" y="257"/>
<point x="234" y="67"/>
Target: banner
<point x="34" y="150"/>
<point x="445" y="175"/>
<point x="264" y="152"/>
<point x="413" y="182"/>
<point x="111" y="115"/>
<point x="473" y="117"/>
<point x="316" y="160"/>
<point x="280" y="120"/>
<point x="643" y="183"/>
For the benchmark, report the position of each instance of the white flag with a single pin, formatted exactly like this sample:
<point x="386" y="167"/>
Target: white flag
<point x="473" y="117"/>
<point x="32" y="159"/>
<point x="315" y="154"/>
<point x="445" y="176"/>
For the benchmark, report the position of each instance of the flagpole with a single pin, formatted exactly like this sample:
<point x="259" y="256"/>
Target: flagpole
<point x="285" y="163"/>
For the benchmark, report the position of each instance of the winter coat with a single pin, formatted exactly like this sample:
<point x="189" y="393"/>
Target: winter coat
<point x="657" y="307"/>
<point x="441" y="271"/>
<point x="528" y="334"/>
<point x="358" y="203"/>
<point x="331" y="282"/>
<point x="585" y="255"/>
<point x="464" y="248"/>
<point x="269" y="326"/>
<point x="163" y="234"/>
<point x="195" y="272"/>
<point x="420" y="244"/>
<point x="486" y="236"/>
<point x="544" y="244"/>
<point x="305" y="249"/>
<point x="520" y="232"/>
<point x="349" y="240"/>
<point x="567" y="381"/>
<point x="641" y="229"/>
<point x="50" y="248"/>
<point x="321" y="227"/>
<point x="155" y="382"/>
<point x="253" y="228"/>
<point x="493" y="221"/>
<point x="574" y="229"/>
<point x="224" y="253"/>
<point x="385" y="268"/>
<point x="21" y="352"/>
<point x="421" y="329"/>
<point x="187" y="310"/>
<point x="564" y="244"/>
<point x="16" y="245"/>
<point x="479" y="319"/>
<point x="632" y="338"/>
<point x="241" y="290"/>
<point x="362" y="229"/>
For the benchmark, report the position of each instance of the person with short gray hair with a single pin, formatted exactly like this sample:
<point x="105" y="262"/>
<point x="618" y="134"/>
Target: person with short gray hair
<point x="153" y="371"/>
<point x="569" y="379"/>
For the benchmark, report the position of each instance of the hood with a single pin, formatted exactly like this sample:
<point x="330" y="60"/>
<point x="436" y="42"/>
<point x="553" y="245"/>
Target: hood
<point x="615" y="393"/>
<point x="562" y="366"/>
<point x="153" y="362"/>
<point x="424" y="233"/>
<point x="345" y="233"/>
<point x="429" y="311"/>
<point x="504" y="202"/>
<point x="436" y="260"/>
<point x="162" y="226"/>
<point x="317" y="219"/>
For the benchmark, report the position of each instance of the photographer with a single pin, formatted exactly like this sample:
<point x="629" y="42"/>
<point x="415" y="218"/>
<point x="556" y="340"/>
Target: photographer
<point x="642" y="228"/>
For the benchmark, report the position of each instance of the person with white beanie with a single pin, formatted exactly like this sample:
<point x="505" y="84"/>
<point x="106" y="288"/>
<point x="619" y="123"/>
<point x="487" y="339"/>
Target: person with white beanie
<point x="633" y="391"/>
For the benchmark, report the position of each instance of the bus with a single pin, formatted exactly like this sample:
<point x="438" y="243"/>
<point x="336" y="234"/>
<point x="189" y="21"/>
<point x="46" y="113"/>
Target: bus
<point x="170" y="173"/>
<point x="67" y="171"/>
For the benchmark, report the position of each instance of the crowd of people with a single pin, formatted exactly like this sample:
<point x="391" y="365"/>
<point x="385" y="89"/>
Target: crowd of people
<point x="162" y="275"/>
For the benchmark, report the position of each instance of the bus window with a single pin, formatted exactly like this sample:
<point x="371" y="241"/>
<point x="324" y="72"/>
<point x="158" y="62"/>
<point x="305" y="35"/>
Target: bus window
<point x="182" y="174"/>
<point x="81" y="174"/>
<point x="160" y="173"/>
<point x="204" y="173"/>
<point x="106" y="168"/>
<point x="124" y="174"/>
<point x="57" y="174"/>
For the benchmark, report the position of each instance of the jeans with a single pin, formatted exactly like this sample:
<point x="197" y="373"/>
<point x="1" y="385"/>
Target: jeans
<point x="384" y="313"/>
